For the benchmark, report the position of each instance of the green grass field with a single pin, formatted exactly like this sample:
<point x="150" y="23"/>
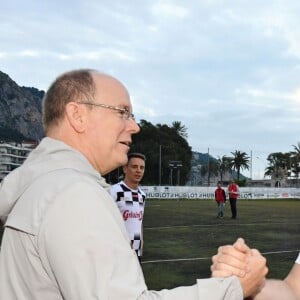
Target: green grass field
<point x="187" y="233"/>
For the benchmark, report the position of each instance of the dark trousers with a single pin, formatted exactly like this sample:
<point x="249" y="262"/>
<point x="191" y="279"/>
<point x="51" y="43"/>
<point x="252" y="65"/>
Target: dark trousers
<point x="233" y="207"/>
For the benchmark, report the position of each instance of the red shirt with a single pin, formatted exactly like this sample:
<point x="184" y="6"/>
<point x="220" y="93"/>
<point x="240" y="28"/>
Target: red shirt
<point x="233" y="190"/>
<point x="220" y="195"/>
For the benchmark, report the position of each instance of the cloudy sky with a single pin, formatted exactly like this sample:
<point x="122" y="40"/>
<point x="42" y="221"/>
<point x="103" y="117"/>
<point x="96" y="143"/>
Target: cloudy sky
<point x="228" y="70"/>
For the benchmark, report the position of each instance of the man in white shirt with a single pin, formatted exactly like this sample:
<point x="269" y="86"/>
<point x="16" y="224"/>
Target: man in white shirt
<point x="130" y="200"/>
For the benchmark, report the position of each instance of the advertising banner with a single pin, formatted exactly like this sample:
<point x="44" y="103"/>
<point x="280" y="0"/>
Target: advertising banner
<point x="193" y="192"/>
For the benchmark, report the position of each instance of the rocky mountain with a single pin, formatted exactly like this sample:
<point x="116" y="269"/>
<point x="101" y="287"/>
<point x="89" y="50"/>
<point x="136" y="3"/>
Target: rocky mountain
<point x="20" y="111"/>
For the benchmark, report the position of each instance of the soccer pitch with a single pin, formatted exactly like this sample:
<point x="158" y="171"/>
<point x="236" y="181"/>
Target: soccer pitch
<point x="180" y="236"/>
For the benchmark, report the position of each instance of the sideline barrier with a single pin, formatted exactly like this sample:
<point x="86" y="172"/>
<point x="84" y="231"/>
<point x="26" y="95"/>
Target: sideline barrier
<point x="194" y="192"/>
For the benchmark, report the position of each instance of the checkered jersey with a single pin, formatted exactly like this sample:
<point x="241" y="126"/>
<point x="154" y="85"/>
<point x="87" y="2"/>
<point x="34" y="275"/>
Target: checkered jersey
<point x="131" y="204"/>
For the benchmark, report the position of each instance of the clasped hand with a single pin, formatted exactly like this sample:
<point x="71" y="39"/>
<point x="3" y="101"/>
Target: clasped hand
<point x="245" y="263"/>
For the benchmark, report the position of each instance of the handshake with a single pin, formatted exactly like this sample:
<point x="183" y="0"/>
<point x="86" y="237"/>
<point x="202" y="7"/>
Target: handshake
<point x="245" y="263"/>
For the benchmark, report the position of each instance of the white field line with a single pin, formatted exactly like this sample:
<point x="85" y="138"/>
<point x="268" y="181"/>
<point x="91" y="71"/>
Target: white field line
<point x="209" y="258"/>
<point x="219" y="224"/>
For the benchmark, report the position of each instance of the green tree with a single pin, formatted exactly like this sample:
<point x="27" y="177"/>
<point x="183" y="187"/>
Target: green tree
<point x="160" y="143"/>
<point x="239" y="161"/>
<point x="278" y="165"/>
<point x="209" y="169"/>
<point x="213" y="169"/>
<point x="295" y="160"/>
<point x="297" y="149"/>
<point x="181" y="129"/>
<point x="224" y="165"/>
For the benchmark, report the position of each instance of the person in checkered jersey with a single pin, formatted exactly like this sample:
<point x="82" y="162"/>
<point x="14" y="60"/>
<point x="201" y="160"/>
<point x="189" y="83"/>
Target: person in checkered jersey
<point x="130" y="200"/>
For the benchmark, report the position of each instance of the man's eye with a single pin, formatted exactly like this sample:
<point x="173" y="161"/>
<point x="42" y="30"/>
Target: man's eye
<point x="124" y="113"/>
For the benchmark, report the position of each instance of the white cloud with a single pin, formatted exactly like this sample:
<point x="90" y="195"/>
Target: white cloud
<point x="228" y="70"/>
<point x="28" y="52"/>
<point x="295" y="97"/>
<point x="98" y="55"/>
<point x="169" y="10"/>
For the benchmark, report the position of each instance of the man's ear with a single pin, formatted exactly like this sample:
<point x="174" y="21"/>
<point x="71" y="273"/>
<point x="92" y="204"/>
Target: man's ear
<point x="76" y="116"/>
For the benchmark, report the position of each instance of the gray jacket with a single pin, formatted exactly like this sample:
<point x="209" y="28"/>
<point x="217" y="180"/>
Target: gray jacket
<point x="65" y="239"/>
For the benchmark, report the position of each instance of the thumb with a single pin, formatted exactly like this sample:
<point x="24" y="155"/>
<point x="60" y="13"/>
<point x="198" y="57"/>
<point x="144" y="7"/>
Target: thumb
<point x="241" y="246"/>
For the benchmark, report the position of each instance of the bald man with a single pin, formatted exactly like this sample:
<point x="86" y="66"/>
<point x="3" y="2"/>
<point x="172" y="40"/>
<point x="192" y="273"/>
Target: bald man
<point x="64" y="237"/>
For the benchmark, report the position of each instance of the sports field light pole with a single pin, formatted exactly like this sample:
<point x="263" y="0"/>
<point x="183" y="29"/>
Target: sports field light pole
<point x="171" y="166"/>
<point x="297" y="179"/>
<point x="159" y="166"/>
<point x="179" y="165"/>
<point x="208" y="168"/>
<point x="175" y="164"/>
<point x="251" y="165"/>
<point x="257" y="157"/>
<point x="264" y="166"/>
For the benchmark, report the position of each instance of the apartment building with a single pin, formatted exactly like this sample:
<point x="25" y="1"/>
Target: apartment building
<point x="13" y="154"/>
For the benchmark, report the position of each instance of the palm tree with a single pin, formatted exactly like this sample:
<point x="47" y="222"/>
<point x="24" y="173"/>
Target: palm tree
<point x="296" y="156"/>
<point x="180" y="129"/>
<point x="278" y="165"/>
<point x="224" y="165"/>
<point x="297" y="148"/>
<point x="240" y="160"/>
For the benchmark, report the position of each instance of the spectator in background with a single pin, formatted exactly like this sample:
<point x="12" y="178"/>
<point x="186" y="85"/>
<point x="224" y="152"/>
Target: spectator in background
<point x="130" y="200"/>
<point x="233" y="193"/>
<point x="220" y="197"/>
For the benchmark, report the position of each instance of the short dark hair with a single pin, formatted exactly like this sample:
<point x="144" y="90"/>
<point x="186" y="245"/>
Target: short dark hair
<point x="136" y="155"/>
<point x="71" y="86"/>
